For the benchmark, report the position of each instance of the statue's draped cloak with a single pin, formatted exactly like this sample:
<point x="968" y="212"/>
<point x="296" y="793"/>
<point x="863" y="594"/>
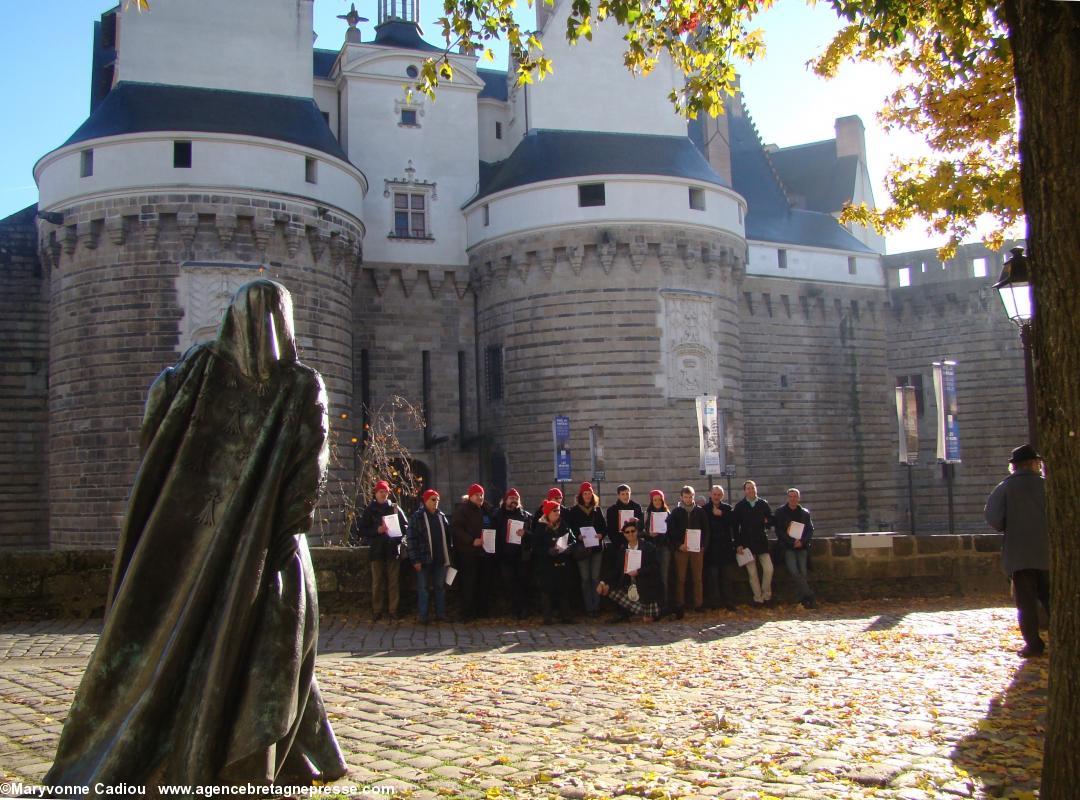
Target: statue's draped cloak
<point x="204" y="670"/>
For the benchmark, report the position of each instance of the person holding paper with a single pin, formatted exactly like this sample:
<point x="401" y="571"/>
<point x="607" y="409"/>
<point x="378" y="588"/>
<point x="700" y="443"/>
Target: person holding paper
<point x="750" y="518"/>
<point x="621" y="510"/>
<point x="688" y="530"/>
<point x="512" y="547"/>
<point x="384" y="550"/>
<point x="720" y="554"/>
<point x="794" y="528"/>
<point x="552" y="542"/>
<point x="555" y="495"/>
<point x="467" y="524"/>
<point x="630" y="578"/>
<point x="587" y="522"/>
<point x="429" y="550"/>
<point x="655" y="531"/>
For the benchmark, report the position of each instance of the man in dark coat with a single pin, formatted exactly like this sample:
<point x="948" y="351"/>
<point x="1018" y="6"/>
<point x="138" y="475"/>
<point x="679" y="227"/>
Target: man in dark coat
<point x="513" y="550"/>
<point x="1017" y="507"/>
<point x="720" y="554"/>
<point x="634" y="589"/>
<point x="794" y="530"/>
<point x="619" y="511"/>
<point x="384" y="543"/>
<point x="204" y="671"/>
<point x="687" y="516"/>
<point x="430" y="551"/>
<point x="751" y="516"/>
<point x="471" y="517"/>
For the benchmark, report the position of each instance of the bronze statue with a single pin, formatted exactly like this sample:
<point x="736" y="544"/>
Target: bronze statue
<point x="204" y="672"/>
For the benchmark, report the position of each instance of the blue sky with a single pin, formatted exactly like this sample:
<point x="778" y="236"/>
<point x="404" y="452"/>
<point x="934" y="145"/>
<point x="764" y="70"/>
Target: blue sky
<point x="45" y="79"/>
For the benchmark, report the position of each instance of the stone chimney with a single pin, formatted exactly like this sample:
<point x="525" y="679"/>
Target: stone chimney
<point x="850" y="137"/>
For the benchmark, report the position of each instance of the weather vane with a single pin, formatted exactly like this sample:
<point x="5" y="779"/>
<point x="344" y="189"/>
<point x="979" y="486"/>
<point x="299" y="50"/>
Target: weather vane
<point x="353" y="18"/>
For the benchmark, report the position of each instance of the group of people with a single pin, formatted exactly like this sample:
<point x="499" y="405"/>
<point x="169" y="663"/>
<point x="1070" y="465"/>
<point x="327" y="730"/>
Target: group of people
<point x="640" y="562"/>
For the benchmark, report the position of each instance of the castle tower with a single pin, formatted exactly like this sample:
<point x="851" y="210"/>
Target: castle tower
<point x="205" y="163"/>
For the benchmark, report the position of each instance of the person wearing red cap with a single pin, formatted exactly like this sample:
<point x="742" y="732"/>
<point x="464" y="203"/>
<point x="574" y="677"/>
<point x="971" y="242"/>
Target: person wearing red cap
<point x="555" y="495"/>
<point x="513" y="526"/>
<point x="384" y="551"/>
<point x="430" y="553"/>
<point x="656" y="519"/>
<point x="467" y="524"/>
<point x="586" y="513"/>
<point x="553" y="543"/>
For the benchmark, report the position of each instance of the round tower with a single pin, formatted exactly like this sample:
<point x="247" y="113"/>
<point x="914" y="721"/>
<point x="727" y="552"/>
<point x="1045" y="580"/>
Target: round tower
<point x="164" y="202"/>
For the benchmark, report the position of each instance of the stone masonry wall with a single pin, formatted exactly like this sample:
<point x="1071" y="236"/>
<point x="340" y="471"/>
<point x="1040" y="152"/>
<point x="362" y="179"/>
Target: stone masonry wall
<point x="610" y="325"/>
<point x="24" y="516"/>
<point x="946" y="312"/>
<point x="116" y="317"/>
<point x="816" y="394"/>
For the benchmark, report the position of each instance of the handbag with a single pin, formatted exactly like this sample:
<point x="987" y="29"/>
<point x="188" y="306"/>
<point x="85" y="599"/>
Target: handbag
<point x="632" y="593"/>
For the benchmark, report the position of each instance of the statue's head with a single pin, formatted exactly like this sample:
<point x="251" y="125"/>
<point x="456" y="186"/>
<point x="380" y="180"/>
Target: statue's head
<point x="257" y="331"/>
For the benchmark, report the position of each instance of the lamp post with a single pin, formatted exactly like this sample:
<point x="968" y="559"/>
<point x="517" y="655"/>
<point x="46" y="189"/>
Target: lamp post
<point x="1015" y="289"/>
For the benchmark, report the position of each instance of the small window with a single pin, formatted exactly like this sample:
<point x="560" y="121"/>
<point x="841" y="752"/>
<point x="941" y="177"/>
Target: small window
<point x="412" y="71"/>
<point x="697" y="199"/>
<point x="487" y="215"/>
<point x="591" y="194"/>
<point x="978" y="267"/>
<point x="181" y="155"/>
<point x="904" y="276"/>
<point x="781" y="259"/>
<point x="410" y="215"/>
<point x="408" y="117"/>
<point x="852" y="265"/>
<point x="311" y="170"/>
<point x="498" y="130"/>
<point x="86" y="163"/>
<point x="494" y="373"/>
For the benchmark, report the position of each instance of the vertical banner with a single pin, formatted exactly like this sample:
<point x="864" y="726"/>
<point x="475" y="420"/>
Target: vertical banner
<point x="560" y="434"/>
<point x="596" y="452"/>
<point x="907" y="418"/>
<point x="710" y="461"/>
<point x="948" y="428"/>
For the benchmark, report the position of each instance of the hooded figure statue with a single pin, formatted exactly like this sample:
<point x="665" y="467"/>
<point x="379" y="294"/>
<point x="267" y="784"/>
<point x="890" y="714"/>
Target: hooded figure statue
<point x="204" y="672"/>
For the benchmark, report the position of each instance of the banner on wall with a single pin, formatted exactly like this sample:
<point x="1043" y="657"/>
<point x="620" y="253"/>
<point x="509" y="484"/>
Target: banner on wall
<point x="907" y="418"/>
<point x="596" y="452"/>
<point x="948" y="428"/>
<point x="560" y="434"/>
<point x="710" y="437"/>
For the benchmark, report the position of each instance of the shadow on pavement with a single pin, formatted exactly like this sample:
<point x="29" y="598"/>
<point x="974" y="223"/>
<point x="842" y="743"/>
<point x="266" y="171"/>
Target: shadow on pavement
<point x="1005" y="751"/>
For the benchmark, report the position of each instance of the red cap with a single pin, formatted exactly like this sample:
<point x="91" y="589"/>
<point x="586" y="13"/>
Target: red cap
<point x="656" y="493"/>
<point x="548" y="507"/>
<point x="382" y="486"/>
<point x="476" y="488"/>
<point x="585" y="487"/>
<point x="555" y="493"/>
<point x="512" y="492"/>
<point x="429" y="494"/>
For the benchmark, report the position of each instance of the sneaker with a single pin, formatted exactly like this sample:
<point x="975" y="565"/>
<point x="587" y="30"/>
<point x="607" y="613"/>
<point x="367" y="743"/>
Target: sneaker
<point x="1032" y="651"/>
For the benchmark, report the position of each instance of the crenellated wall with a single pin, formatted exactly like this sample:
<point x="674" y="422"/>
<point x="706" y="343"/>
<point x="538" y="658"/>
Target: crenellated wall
<point x="134" y="281"/>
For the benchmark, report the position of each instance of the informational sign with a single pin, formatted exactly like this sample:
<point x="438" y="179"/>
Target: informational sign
<point x="710" y="438"/>
<point x="907" y="418"/>
<point x="948" y="428"/>
<point x="596" y="452"/>
<point x="560" y="434"/>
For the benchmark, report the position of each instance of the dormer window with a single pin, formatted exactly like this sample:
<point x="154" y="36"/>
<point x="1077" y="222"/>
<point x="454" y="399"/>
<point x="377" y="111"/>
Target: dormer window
<point x="410" y="206"/>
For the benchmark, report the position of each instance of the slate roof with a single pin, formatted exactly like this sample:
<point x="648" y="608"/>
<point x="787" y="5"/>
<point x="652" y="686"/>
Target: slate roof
<point x="770" y="215"/>
<point x="815" y="178"/>
<point x="323" y="62"/>
<point x="147" y="107"/>
<point x="494" y="84"/>
<point x="398" y="33"/>
<point x="544" y="155"/>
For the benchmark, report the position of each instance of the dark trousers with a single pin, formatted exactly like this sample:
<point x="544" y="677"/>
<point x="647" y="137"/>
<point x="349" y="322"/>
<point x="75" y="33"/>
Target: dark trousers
<point x="720" y="584"/>
<point x="1031" y="587"/>
<point x="516" y="580"/>
<point x="555" y="589"/>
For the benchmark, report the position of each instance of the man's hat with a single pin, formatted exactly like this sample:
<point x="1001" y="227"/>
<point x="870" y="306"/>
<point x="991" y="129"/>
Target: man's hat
<point x="1024" y="452"/>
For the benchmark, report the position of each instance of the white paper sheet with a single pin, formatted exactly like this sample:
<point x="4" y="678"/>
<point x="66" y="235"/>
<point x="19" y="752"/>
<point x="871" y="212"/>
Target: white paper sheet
<point x="451" y="573"/>
<point x="488" y="537"/>
<point x="562" y="544"/>
<point x="393" y="526"/>
<point x="632" y="562"/>
<point x="659" y="523"/>
<point x="589" y="536"/>
<point x="514" y="531"/>
<point x="624" y="516"/>
<point x="795" y="530"/>
<point x="744" y="558"/>
<point x="693" y="540"/>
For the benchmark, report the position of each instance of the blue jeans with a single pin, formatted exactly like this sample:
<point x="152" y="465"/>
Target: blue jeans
<point x="589" y="572"/>
<point x="437" y="574"/>
<point x="795" y="560"/>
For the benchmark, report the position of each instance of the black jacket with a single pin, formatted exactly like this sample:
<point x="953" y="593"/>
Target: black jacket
<point x="505" y="551"/>
<point x="721" y="548"/>
<point x="426" y="536"/>
<point x="553" y="569"/>
<point x="467" y="525"/>
<point x="383" y="547"/>
<point x="612" y="519"/>
<point x="750" y="523"/>
<point x="680" y="519"/>
<point x="650" y="587"/>
<point x="784" y="516"/>
<point x="577" y="518"/>
<point x="660" y="540"/>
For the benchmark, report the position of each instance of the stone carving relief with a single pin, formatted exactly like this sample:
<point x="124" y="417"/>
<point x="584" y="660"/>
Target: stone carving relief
<point x="204" y="291"/>
<point x="689" y="344"/>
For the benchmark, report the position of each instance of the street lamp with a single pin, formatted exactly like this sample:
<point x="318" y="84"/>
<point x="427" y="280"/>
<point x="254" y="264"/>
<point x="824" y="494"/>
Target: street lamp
<point x="1015" y="289"/>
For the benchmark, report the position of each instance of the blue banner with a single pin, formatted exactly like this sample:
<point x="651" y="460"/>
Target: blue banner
<point x="948" y="425"/>
<point x="560" y="432"/>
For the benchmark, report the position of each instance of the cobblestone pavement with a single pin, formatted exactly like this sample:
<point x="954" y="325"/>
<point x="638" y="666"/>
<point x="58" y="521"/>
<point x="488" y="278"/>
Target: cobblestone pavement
<point x="882" y="699"/>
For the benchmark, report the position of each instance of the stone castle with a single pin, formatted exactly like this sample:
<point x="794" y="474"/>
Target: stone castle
<point x="501" y="256"/>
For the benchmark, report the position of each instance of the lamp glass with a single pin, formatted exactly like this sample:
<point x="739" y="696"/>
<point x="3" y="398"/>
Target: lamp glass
<point x="1016" y="297"/>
